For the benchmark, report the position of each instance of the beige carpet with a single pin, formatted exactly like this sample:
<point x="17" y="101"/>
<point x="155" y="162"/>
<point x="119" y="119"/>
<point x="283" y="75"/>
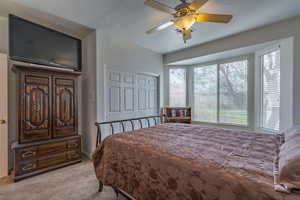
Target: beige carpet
<point x="76" y="182"/>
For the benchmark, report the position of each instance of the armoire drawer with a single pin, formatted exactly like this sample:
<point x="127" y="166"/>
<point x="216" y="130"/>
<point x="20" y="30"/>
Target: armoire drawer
<point x="41" y="163"/>
<point x="29" y="153"/>
<point x="73" y="144"/>
<point x="32" y="166"/>
<point x="37" y="151"/>
<point x="73" y="155"/>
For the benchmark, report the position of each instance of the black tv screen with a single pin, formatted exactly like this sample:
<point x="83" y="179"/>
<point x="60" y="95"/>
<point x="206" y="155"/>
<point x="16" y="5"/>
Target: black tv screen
<point x="36" y="44"/>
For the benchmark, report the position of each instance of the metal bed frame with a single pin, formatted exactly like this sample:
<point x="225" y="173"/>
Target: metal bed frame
<point x="157" y="119"/>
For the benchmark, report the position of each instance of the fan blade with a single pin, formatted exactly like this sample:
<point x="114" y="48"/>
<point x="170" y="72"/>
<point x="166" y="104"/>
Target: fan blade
<point x="196" y="4"/>
<point x="159" y="6"/>
<point x="201" y="17"/>
<point x="160" y="27"/>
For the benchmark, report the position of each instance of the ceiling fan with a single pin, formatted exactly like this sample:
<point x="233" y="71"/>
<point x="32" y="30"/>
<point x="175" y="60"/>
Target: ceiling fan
<point x="184" y="16"/>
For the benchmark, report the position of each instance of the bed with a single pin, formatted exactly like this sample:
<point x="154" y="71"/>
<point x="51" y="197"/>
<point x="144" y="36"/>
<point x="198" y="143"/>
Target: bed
<point x="192" y="162"/>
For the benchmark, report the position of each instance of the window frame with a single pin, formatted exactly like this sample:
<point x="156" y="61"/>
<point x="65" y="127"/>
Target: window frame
<point x="186" y="71"/>
<point x="192" y="89"/>
<point x="249" y="88"/>
<point x="259" y="88"/>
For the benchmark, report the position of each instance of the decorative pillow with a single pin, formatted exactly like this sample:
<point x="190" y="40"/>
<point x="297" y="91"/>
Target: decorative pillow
<point x="289" y="160"/>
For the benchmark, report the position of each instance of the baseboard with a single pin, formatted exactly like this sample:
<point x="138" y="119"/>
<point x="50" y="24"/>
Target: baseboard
<point x="88" y="154"/>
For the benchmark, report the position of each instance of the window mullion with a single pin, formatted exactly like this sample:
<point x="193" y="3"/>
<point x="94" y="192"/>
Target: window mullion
<point x="218" y="93"/>
<point x="187" y="85"/>
<point x="261" y="79"/>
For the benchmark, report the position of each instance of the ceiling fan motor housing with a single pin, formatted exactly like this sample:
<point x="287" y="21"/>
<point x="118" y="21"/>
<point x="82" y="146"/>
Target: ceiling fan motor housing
<point x="182" y="6"/>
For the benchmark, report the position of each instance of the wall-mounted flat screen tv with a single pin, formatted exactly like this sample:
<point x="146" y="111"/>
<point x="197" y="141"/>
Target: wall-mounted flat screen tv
<point x="36" y="44"/>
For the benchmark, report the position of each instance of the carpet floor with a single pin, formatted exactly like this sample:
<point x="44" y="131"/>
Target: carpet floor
<point x="76" y="182"/>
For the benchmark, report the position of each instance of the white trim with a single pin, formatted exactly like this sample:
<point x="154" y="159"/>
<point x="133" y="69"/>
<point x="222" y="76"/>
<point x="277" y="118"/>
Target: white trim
<point x="105" y="79"/>
<point x="190" y="89"/>
<point x="251" y="91"/>
<point x="223" y="125"/>
<point x="268" y="49"/>
<point x="3" y="115"/>
<point x="287" y="86"/>
<point x="259" y="84"/>
<point x="286" y="47"/>
<point x="119" y="69"/>
<point x="222" y="61"/>
<point x="88" y="154"/>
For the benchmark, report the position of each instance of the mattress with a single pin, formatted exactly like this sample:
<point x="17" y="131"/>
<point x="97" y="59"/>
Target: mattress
<point x="181" y="161"/>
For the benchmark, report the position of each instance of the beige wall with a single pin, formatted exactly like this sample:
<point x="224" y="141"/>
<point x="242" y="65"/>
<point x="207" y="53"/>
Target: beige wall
<point x="119" y="54"/>
<point x="3" y="35"/>
<point x="12" y="117"/>
<point x="277" y="31"/>
<point x="89" y="111"/>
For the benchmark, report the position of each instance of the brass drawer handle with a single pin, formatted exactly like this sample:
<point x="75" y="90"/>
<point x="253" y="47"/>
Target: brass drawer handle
<point x="74" y="156"/>
<point x="28" y="154"/>
<point x="73" y="145"/>
<point x="29" y="167"/>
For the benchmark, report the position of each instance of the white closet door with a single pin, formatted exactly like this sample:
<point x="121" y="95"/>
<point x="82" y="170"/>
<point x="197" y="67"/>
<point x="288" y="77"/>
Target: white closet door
<point x="147" y="94"/>
<point x="130" y="95"/>
<point x="3" y="116"/>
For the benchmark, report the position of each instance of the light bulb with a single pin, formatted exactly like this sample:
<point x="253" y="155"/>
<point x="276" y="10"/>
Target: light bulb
<point x="184" y="23"/>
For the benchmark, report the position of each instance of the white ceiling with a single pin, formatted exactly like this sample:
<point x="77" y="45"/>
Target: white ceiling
<point x="131" y="18"/>
<point x="52" y="21"/>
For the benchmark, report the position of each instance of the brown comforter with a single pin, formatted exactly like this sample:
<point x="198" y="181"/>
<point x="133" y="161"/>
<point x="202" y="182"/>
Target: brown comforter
<point x="180" y="162"/>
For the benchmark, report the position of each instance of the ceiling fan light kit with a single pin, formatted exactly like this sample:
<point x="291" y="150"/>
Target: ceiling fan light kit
<point x="185" y="22"/>
<point x="185" y="16"/>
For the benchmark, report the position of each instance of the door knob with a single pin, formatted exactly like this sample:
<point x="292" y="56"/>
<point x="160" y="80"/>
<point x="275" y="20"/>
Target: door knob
<point x="2" y="121"/>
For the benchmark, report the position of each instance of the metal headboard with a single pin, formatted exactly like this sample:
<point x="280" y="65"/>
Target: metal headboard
<point x="157" y="119"/>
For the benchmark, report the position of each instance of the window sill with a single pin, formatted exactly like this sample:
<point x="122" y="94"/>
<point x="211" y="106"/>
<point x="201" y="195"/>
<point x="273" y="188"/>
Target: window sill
<point x="239" y="127"/>
<point x="224" y="125"/>
<point x="268" y="131"/>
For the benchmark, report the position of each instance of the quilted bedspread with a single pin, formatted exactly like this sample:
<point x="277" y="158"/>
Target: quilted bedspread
<point x="181" y="162"/>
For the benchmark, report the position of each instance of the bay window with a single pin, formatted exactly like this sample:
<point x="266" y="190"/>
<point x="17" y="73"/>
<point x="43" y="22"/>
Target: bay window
<point x="250" y="91"/>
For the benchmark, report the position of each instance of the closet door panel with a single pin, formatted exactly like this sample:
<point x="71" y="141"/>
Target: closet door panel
<point x="64" y="107"/>
<point x="35" y="106"/>
<point x="130" y="95"/>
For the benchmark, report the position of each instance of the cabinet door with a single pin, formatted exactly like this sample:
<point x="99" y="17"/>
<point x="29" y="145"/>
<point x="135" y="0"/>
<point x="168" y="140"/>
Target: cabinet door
<point x="35" y="107"/>
<point x="64" y="107"/>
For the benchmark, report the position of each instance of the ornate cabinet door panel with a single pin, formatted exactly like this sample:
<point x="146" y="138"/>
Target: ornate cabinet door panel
<point x="35" y="106"/>
<point x="64" y="107"/>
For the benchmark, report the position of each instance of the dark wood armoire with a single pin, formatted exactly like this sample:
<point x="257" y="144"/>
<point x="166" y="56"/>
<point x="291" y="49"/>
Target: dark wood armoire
<point x="47" y="114"/>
